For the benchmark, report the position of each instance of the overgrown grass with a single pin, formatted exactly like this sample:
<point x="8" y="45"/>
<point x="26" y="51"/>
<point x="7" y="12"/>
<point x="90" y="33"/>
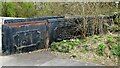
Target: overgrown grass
<point x="65" y="45"/>
<point x="101" y="49"/>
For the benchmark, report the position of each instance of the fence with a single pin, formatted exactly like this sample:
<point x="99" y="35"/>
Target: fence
<point x="26" y="35"/>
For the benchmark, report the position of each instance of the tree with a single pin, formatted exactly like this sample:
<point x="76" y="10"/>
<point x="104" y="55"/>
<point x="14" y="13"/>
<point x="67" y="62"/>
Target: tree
<point x="0" y="7"/>
<point x="8" y="9"/>
<point x="20" y="9"/>
<point x="25" y="9"/>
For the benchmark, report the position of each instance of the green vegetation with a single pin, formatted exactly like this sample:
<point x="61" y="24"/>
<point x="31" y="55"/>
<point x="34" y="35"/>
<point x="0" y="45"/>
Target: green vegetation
<point x="9" y="10"/>
<point x="0" y="8"/>
<point x="109" y="39"/>
<point x="101" y="49"/>
<point x="116" y="50"/>
<point x="65" y="45"/>
<point x="12" y="9"/>
<point x="31" y="9"/>
<point x="97" y="48"/>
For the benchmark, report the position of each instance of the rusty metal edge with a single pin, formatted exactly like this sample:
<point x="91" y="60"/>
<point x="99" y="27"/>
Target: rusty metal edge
<point x="26" y="23"/>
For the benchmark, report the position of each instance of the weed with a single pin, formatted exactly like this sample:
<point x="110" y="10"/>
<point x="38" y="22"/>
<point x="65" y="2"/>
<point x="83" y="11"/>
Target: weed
<point x="109" y="39"/>
<point x="101" y="49"/>
<point x="65" y="45"/>
<point x="116" y="50"/>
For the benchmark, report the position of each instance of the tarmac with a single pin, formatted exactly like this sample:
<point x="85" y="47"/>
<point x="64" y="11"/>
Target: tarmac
<point x="39" y="59"/>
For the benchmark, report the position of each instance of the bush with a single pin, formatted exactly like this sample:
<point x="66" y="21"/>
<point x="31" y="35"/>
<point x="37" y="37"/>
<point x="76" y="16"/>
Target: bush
<point x="65" y="45"/>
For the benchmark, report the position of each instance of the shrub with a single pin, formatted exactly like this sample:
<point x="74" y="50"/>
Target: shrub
<point x="65" y="45"/>
<point x="101" y="49"/>
<point x="109" y="39"/>
<point x="116" y="50"/>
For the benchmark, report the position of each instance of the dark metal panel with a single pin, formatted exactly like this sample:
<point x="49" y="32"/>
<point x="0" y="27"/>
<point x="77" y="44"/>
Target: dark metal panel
<point x="28" y="36"/>
<point x="53" y="28"/>
<point x="23" y="38"/>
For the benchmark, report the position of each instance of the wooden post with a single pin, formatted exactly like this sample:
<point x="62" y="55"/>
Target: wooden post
<point x="47" y="37"/>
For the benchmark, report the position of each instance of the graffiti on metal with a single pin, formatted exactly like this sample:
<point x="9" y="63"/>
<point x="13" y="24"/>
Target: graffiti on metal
<point x="26" y="35"/>
<point x="18" y="37"/>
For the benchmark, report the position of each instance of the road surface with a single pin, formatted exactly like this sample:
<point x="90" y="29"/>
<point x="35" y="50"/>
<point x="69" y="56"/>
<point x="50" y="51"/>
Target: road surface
<point x="39" y="59"/>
